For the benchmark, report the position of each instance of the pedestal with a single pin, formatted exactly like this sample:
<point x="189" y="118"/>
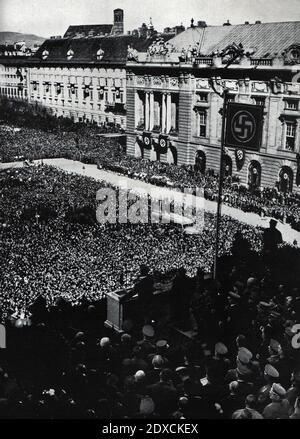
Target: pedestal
<point x="114" y="316"/>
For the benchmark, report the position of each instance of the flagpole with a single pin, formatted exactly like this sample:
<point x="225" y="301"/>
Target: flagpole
<point x="221" y="178"/>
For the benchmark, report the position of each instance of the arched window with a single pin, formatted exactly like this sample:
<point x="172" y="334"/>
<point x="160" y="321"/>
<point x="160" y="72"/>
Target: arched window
<point x="254" y="174"/>
<point x="285" y="179"/>
<point x="227" y="166"/>
<point x="200" y="162"/>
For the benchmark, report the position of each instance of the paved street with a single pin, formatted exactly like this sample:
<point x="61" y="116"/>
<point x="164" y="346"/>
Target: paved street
<point x="288" y="234"/>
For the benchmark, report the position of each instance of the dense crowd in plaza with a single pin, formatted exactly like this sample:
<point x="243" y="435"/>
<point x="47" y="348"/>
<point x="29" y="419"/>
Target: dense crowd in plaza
<point x="242" y="364"/>
<point x="88" y="147"/>
<point x="56" y="248"/>
<point x="57" y="262"/>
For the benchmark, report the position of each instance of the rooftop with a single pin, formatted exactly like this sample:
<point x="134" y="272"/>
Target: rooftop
<point x="266" y="38"/>
<point x="87" y="50"/>
<point x="88" y="30"/>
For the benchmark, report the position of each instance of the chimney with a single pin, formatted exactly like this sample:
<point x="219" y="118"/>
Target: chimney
<point x="258" y="22"/>
<point x="227" y="23"/>
<point x="118" y="26"/>
<point x="247" y="22"/>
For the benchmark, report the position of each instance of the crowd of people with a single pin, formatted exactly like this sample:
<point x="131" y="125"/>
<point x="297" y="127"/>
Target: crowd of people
<point x="56" y="248"/>
<point x="241" y="364"/>
<point x="232" y="353"/>
<point x="88" y="147"/>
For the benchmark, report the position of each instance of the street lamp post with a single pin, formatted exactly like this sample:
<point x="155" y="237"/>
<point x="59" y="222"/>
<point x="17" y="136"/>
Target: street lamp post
<point x="221" y="178"/>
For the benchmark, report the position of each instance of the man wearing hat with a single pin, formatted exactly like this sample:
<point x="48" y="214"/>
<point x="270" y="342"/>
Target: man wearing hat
<point x="279" y="361"/>
<point x="220" y="362"/>
<point x="233" y="314"/>
<point x="294" y="391"/>
<point x="279" y="408"/>
<point x="158" y="363"/>
<point x="271" y="239"/>
<point x="146" y="344"/>
<point x="271" y="375"/>
<point x="144" y="287"/>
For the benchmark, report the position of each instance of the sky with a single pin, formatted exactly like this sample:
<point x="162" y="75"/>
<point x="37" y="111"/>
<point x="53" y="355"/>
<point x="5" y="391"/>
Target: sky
<point x="52" y="17"/>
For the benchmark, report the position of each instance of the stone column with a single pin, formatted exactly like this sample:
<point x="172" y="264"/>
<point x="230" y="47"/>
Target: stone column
<point x="147" y="111"/>
<point x="169" y="112"/>
<point x="151" y="111"/>
<point x="163" y="113"/>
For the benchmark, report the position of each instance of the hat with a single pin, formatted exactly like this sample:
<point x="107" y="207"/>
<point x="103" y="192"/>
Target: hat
<point x="244" y="355"/>
<point x="271" y="371"/>
<point x="105" y="341"/>
<point x="234" y="295"/>
<point x="278" y="390"/>
<point x="220" y="349"/>
<point x="275" y="345"/>
<point x="147" y="406"/>
<point x="233" y="385"/>
<point x="148" y="331"/>
<point x="264" y="305"/>
<point x="125" y="337"/>
<point x="79" y="335"/>
<point x="275" y="314"/>
<point x="251" y="281"/>
<point x="162" y="344"/>
<point x="158" y="361"/>
<point x="139" y="375"/>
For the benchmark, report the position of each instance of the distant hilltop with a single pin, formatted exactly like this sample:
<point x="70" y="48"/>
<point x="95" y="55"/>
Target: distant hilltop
<point x="13" y="37"/>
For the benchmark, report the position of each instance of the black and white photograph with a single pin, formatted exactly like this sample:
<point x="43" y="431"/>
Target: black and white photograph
<point x="149" y="213"/>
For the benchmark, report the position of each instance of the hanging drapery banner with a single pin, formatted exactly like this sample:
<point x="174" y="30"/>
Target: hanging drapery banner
<point x="240" y="158"/>
<point x="298" y="170"/>
<point x="147" y="140"/>
<point x="19" y="74"/>
<point x="72" y="88"/>
<point x="162" y="145"/>
<point x="86" y="92"/>
<point x="244" y="126"/>
<point x="101" y="92"/>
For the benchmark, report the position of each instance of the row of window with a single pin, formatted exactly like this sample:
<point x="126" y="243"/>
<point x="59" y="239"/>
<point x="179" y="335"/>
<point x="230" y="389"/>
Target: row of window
<point x="114" y="96"/>
<point x="108" y="82"/>
<point x="290" y="104"/>
<point x="13" y="92"/>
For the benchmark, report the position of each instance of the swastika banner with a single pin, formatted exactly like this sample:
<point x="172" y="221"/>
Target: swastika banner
<point x="244" y="126"/>
<point x="147" y="143"/>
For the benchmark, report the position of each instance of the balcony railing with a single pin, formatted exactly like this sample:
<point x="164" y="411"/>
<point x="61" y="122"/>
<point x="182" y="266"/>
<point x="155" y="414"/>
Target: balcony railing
<point x="261" y="62"/>
<point x="203" y="61"/>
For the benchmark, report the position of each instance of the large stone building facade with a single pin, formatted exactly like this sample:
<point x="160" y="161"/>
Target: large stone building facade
<point x="81" y="76"/>
<point x="167" y="92"/>
<point x="174" y="98"/>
